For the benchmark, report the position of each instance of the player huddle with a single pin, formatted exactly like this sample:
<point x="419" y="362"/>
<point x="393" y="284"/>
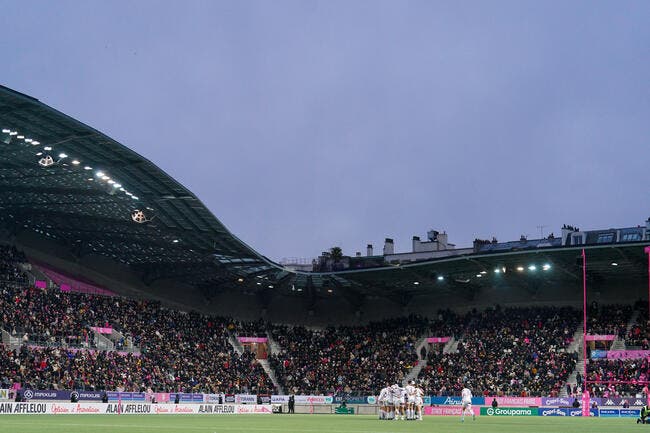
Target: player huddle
<point x="404" y="403"/>
<point x="407" y="403"/>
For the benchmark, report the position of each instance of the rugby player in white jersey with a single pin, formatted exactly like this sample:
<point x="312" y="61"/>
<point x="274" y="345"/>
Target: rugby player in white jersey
<point x="419" y="402"/>
<point x="466" y="402"/>
<point x="384" y="401"/>
<point x="410" y="400"/>
<point x="395" y="398"/>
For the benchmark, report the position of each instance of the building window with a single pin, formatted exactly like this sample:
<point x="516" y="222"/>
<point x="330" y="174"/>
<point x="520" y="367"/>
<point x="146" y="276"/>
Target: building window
<point x="577" y="240"/>
<point x="604" y="238"/>
<point x="631" y="237"/>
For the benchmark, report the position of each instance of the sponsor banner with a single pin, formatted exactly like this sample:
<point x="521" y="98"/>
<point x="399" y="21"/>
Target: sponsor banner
<point x="246" y="398"/>
<point x="52" y="394"/>
<point x="214" y="398"/>
<point x="252" y="339"/>
<point x="102" y="329"/>
<point x="598" y="354"/>
<point x="454" y="401"/>
<point x="447" y="410"/>
<point x="6" y="394"/>
<point x="620" y="401"/>
<point x="279" y="399"/>
<point x="636" y="413"/>
<point x="427" y="400"/>
<point x="516" y="401"/>
<point x="567" y="401"/>
<point x="264" y="398"/>
<point x="126" y="396"/>
<point x="254" y="409"/>
<point x="314" y="399"/>
<point x="559" y="411"/>
<point x="593" y="412"/>
<point x="230" y="398"/>
<point x="365" y="399"/>
<point x="509" y="411"/>
<point x="131" y="408"/>
<point x="609" y="412"/>
<point x="438" y="339"/>
<point x="189" y="398"/>
<point x="600" y="337"/>
<point x="628" y="354"/>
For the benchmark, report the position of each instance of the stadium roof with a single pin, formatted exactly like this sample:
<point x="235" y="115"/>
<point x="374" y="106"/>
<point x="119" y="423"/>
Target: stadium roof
<point x="71" y="184"/>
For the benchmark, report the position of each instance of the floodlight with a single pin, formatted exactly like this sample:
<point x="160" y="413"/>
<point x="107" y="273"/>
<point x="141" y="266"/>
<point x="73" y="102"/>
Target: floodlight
<point x="46" y="161"/>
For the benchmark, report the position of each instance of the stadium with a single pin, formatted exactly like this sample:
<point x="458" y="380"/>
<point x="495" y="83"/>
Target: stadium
<point x="124" y="295"/>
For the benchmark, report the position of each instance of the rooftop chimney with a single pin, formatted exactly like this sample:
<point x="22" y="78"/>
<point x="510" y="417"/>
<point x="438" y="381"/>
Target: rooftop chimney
<point x="389" y="246"/>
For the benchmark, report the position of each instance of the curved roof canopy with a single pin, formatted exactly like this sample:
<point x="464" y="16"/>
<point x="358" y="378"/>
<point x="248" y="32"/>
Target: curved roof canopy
<point x="69" y="183"/>
<point x="74" y="185"/>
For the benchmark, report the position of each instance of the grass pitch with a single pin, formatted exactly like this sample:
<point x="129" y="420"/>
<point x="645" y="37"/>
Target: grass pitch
<point x="308" y="424"/>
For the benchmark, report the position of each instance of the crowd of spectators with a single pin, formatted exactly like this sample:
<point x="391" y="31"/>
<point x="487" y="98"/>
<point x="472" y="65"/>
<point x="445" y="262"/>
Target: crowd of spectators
<point x="608" y="319"/>
<point x="179" y="351"/>
<point x="346" y="360"/>
<point x="512" y="351"/>
<point x="638" y="335"/>
<point x="605" y="373"/>
<point x="501" y="351"/>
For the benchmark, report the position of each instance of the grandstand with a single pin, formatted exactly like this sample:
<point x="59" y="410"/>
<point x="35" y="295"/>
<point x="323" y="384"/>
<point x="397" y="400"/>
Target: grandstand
<point x="117" y="278"/>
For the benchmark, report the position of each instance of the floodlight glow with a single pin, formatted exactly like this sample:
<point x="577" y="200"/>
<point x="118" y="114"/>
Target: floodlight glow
<point x="13" y="133"/>
<point x="62" y="155"/>
<point x="28" y="140"/>
<point x="483" y="272"/>
<point x="175" y="241"/>
<point x="259" y="284"/>
<point x="104" y="177"/>
<point x="497" y="271"/>
<point x="47" y="148"/>
<point x="20" y="137"/>
<point x="111" y="181"/>
<point x="416" y="283"/>
<point x="75" y="162"/>
<point x="6" y="131"/>
<point x="478" y="275"/>
<point x="36" y="143"/>
<point x="241" y="280"/>
<point x="329" y="290"/>
<point x="532" y="268"/>
<point x="99" y="174"/>
<point x="520" y="268"/>
<point x="88" y="168"/>
<point x="117" y="185"/>
<point x="503" y="269"/>
<point x="39" y="153"/>
<point x="440" y="278"/>
<point x="546" y="267"/>
<point x="270" y="286"/>
<point x="614" y="264"/>
<point x="134" y="197"/>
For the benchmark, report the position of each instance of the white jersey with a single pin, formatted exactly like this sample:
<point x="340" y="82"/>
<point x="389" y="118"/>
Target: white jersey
<point x="410" y="393"/>
<point x="466" y="395"/>
<point x="384" y="394"/>
<point x="419" y="393"/>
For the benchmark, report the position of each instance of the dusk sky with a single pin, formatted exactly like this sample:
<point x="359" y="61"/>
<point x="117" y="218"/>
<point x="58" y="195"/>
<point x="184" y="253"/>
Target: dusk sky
<point x="303" y="124"/>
